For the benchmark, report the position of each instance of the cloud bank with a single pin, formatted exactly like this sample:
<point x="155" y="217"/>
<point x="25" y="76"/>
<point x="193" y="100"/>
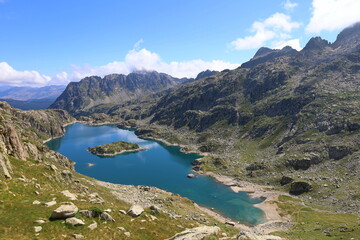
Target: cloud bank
<point x="135" y="60"/>
<point x="276" y="28"/>
<point x="329" y="15"/>
<point x="12" y="77"/>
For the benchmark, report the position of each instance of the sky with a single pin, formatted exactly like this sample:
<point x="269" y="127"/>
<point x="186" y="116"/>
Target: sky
<point x="54" y="42"/>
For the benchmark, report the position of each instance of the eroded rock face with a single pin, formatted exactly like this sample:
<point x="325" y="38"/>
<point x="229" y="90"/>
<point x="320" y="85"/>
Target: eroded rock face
<point x="300" y="187"/>
<point x="339" y="152"/>
<point x="64" y="211"/>
<point x="197" y="233"/>
<point x="285" y="180"/>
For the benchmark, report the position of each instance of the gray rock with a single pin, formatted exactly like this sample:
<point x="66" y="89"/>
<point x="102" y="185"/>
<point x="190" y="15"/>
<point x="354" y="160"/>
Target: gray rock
<point x="37" y="229"/>
<point x="92" y="226"/>
<point x="77" y="236"/>
<point x="105" y="216"/>
<point x="49" y="204"/>
<point x="36" y="202"/>
<point x="127" y="234"/>
<point x="190" y="175"/>
<point x="64" y="211"/>
<point x="135" y="211"/>
<point x="40" y="221"/>
<point x="197" y="233"/>
<point x="122" y="212"/>
<point x="70" y="195"/>
<point x="74" y="221"/>
<point x="155" y="209"/>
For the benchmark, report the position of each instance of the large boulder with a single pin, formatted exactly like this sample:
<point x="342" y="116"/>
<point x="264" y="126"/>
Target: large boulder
<point x="64" y="211"/>
<point x="135" y="211"/>
<point x="197" y="233"/>
<point x="300" y="187"/>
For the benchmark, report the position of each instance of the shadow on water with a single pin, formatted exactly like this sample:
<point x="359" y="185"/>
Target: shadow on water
<point x="162" y="166"/>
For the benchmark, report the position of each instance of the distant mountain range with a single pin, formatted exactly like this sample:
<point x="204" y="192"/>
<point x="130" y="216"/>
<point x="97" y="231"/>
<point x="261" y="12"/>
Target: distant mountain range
<point x="30" y="98"/>
<point x="80" y="98"/>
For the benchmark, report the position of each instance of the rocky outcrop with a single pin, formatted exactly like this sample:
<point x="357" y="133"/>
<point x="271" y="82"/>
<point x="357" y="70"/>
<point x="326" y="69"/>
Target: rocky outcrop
<point x="300" y="187"/>
<point x="197" y="233"/>
<point x="285" y="180"/>
<point x="339" y="152"/>
<point x="64" y="211"/>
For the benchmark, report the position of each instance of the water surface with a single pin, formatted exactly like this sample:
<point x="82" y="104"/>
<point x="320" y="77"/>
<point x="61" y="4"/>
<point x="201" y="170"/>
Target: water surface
<point x="161" y="166"/>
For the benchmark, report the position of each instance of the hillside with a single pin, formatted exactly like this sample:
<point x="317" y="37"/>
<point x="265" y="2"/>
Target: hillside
<point x="283" y="113"/>
<point x="41" y="192"/>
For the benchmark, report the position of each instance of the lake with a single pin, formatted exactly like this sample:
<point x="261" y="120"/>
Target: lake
<point x="161" y="166"/>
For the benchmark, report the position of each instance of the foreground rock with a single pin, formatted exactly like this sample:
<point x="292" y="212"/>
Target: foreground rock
<point x="74" y="221"/>
<point x="135" y="211"/>
<point x="64" y="211"/>
<point x="197" y="233"/>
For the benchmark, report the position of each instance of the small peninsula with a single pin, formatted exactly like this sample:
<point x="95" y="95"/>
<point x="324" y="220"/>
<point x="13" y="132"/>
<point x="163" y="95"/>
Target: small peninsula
<point x="115" y="148"/>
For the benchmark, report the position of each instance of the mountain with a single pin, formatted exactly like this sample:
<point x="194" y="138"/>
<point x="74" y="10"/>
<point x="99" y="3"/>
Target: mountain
<point x="285" y="113"/>
<point x="28" y="93"/>
<point x="80" y="97"/>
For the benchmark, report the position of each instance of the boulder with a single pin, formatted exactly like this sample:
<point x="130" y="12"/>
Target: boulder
<point x="197" y="233"/>
<point x="155" y="209"/>
<point x="105" y="216"/>
<point x="78" y="236"/>
<point x="37" y="229"/>
<point x="49" y="204"/>
<point x="74" y="221"/>
<point x="64" y="211"/>
<point x="285" y="180"/>
<point x="92" y="226"/>
<point x="190" y="175"/>
<point x="135" y="211"/>
<point x="70" y="195"/>
<point x="300" y="187"/>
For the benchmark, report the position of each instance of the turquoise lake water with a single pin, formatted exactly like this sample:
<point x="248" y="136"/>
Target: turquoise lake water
<point x="161" y="166"/>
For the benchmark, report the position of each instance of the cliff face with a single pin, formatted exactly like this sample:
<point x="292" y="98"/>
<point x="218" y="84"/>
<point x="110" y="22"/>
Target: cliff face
<point x="93" y="91"/>
<point x="21" y="133"/>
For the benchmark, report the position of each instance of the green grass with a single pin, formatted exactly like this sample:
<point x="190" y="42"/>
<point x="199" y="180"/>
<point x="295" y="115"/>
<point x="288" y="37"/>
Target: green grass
<point x="311" y="223"/>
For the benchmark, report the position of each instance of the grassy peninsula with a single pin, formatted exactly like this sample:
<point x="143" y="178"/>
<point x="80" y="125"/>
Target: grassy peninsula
<point x="115" y="148"/>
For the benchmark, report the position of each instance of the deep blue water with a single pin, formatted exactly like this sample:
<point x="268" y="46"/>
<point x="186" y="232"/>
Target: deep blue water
<point x="162" y="166"/>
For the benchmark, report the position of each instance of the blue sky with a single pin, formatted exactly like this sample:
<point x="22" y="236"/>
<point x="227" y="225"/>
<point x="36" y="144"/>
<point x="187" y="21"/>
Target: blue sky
<point x="53" y="42"/>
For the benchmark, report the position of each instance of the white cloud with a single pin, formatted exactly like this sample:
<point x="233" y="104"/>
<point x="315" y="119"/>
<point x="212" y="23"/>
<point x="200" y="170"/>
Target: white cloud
<point x="289" y="5"/>
<point x="143" y="59"/>
<point x="332" y="15"/>
<point x="12" y="77"/>
<point x="135" y="60"/>
<point x="294" y="43"/>
<point x="276" y="28"/>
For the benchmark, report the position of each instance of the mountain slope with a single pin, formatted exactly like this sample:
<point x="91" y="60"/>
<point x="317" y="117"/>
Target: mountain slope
<point x="34" y="181"/>
<point x="293" y="114"/>
<point x="93" y="91"/>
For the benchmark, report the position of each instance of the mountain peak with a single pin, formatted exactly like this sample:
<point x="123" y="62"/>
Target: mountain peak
<point x="349" y="37"/>
<point x="316" y="43"/>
